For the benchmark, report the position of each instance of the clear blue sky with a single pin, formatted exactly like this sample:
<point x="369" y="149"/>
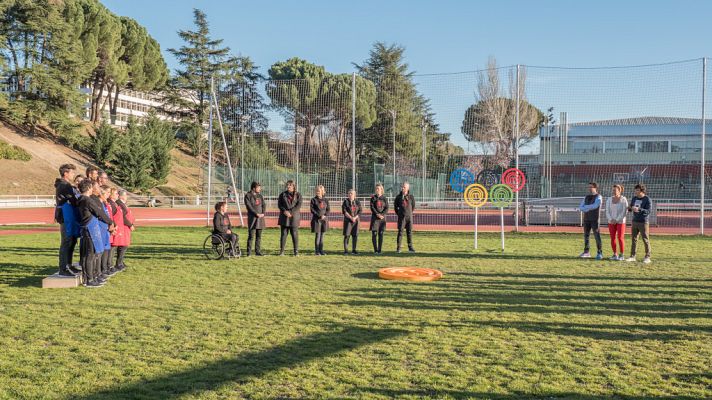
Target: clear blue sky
<point x="452" y="36"/>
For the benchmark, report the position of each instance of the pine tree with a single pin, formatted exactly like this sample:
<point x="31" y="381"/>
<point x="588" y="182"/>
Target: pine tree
<point x="133" y="159"/>
<point x="103" y="144"/>
<point x="162" y="141"/>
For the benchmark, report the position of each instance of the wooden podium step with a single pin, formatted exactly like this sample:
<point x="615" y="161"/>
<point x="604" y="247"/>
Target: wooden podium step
<point x="58" y="281"/>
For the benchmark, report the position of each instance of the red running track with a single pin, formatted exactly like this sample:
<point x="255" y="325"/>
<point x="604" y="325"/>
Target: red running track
<point x="685" y="223"/>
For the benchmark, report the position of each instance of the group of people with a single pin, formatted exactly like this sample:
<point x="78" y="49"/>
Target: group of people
<point x="289" y="204"/>
<point x="97" y="215"/>
<point x="617" y="209"/>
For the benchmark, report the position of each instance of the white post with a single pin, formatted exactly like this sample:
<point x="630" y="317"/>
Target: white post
<point x="210" y="154"/>
<point x="353" y="130"/>
<point x="501" y="225"/>
<point x="227" y="156"/>
<point x="702" y="153"/>
<point x="516" y="155"/>
<point x="476" y="217"/>
<point x="393" y="114"/>
<point x="422" y="181"/>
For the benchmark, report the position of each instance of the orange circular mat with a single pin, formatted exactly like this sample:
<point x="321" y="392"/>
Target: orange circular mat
<point x="410" y="274"/>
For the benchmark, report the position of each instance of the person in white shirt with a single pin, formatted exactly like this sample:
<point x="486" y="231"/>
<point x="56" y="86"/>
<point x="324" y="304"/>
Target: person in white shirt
<point x="616" y="210"/>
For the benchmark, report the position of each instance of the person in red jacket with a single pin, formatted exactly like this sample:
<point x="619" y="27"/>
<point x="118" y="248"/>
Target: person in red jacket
<point x="128" y="220"/>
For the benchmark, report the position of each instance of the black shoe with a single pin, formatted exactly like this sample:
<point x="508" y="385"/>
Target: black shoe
<point x="113" y="272"/>
<point x="258" y="254"/>
<point x="248" y="254"/>
<point x="74" y="270"/>
<point x="346" y="253"/>
<point x="354" y="252"/>
<point x="296" y="254"/>
<point x="66" y="272"/>
<point x="398" y="251"/>
<point x="94" y="284"/>
<point x="120" y="268"/>
<point x="411" y="250"/>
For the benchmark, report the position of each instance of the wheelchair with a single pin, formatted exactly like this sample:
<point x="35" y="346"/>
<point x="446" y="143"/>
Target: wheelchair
<point x="217" y="248"/>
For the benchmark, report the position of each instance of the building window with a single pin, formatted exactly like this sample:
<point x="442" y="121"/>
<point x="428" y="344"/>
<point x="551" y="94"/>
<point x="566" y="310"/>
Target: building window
<point x="620" y="147"/>
<point x="653" y="147"/>
<point x="587" y="147"/>
<point x="685" y="146"/>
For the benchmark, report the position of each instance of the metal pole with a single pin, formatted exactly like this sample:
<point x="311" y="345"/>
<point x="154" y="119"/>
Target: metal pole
<point x="422" y="190"/>
<point x="210" y="155"/>
<point x="353" y="130"/>
<point x="702" y="154"/>
<point x="242" y="160"/>
<point x="296" y="150"/>
<point x="227" y="156"/>
<point x="501" y="225"/>
<point x="516" y="154"/>
<point x="393" y="114"/>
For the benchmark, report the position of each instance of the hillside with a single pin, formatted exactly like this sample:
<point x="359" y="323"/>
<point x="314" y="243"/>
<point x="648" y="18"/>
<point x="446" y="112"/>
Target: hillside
<point x="36" y="177"/>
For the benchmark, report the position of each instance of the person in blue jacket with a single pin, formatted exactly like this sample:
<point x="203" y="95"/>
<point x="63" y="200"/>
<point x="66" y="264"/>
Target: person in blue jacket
<point x="640" y="206"/>
<point x="591" y="208"/>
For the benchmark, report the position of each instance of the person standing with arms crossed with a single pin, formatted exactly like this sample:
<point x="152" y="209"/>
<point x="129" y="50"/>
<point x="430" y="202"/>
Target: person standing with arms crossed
<point x="289" y="203"/>
<point x="256" y="210"/>
<point x="404" y="205"/>
<point x="591" y="207"/>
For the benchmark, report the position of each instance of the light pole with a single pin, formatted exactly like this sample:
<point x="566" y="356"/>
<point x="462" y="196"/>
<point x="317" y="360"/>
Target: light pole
<point x="393" y="128"/>
<point x="425" y="129"/>
<point x="243" y="121"/>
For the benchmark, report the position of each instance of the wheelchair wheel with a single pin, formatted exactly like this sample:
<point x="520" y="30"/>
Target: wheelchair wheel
<point x="214" y="247"/>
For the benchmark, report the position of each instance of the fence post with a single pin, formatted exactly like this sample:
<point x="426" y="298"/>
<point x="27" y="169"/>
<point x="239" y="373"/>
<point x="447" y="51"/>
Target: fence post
<point x="702" y="153"/>
<point x="516" y="154"/>
<point x="353" y="130"/>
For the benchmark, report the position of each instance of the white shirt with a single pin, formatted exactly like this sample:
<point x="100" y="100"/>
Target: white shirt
<point x="616" y="211"/>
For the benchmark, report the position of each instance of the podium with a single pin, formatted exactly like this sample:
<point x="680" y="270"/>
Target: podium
<point x="58" y="281"/>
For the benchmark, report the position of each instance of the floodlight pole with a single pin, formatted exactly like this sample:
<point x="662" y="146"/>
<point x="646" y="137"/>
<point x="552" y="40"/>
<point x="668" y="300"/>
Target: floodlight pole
<point x="516" y="152"/>
<point x="353" y="130"/>
<point x="422" y="190"/>
<point x="702" y="153"/>
<point x="393" y="128"/>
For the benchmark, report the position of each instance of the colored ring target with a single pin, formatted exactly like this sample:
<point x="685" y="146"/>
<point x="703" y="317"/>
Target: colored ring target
<point x="514" y="178"/>
<point x="501" y="195"/>
<point x="487" y="178"/>
<point x="460" y="179"/>
<point x="475" y="195"/>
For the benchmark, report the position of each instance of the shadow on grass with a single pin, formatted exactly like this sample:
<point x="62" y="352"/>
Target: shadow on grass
<point x="18" y="275"/>
<point x="455" y="394"/>
<point x="248" y="365"/>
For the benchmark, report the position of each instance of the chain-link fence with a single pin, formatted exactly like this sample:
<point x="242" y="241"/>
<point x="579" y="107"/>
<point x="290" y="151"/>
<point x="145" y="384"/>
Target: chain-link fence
<point x="564" y="127"/>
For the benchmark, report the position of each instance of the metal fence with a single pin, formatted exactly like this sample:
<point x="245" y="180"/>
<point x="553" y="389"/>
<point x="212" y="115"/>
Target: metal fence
<point x="564" y="127"/>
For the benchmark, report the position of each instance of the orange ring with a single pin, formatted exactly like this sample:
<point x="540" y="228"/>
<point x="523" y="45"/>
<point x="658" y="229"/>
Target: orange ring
<point x="410" y="274"/>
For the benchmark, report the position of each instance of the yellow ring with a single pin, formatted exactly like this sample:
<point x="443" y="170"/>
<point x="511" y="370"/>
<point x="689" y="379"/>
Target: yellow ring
<point x="475" y="195"/>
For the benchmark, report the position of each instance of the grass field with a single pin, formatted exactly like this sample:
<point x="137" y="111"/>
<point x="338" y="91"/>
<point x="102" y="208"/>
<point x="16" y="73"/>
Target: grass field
<point x="534" y="322"/>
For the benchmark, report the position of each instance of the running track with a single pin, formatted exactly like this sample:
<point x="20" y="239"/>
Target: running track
<point x="425" y="220"/>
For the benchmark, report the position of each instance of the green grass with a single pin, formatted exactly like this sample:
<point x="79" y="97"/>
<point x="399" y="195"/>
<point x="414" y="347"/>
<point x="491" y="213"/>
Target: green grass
<point x="532" y="322"/>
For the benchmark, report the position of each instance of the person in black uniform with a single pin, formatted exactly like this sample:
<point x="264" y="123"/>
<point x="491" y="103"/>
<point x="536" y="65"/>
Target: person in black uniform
<point x="65" y="197"/>
<point x="404" y="205"/>
<point x="256" y="209"/>
<point x="351" y="208"/>
<point x="223" y="227"/>
<point x="379" y="210"/>
<point x="91" y="212"/>
<point x="289" y="203"/>
<point x="319" y="207"/>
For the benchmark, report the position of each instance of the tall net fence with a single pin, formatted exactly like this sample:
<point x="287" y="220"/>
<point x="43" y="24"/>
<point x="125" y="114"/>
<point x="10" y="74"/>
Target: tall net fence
<point x="563" y="127"/>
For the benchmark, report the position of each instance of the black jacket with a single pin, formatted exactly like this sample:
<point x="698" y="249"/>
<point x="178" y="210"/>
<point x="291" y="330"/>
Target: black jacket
<point x="221" y="223"/>
<point x="255" y="204"/>
<point x="404" y="205"/>
<point x="319" y="208"/>
<point x="291" y="202"/>
<point x="90" y="206"/>
<point x="63" y="192"/>
<point x="353" y="209"/>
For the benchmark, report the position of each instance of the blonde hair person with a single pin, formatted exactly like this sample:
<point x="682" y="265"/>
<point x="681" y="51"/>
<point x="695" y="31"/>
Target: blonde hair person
<point x="351" y="209"/>
<point x="616" y="210"/>
<point x="319" y="207"/>
<point x="378" y="205"/>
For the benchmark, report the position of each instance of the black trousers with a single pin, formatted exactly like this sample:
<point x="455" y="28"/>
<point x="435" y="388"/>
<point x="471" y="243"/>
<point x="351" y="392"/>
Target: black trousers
<point x="294" y="232"/>
<point x="232" y="239"/>
<point x="405" y="223"/>
<point x="353" y="244"/>
<point x="105" y="259"/>
<point x="120" y="253"/>
<point x="319" y="242"/>
<point x="257" y="235"/>
<point x="377" y="240"/>
<point x="90" y="259"/>
<point x="66" y="248"/>
<point x="588" y="227"/>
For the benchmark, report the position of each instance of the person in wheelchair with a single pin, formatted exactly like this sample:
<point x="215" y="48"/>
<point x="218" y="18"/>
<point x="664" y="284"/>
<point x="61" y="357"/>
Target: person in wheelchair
<point x="223" y="227"/>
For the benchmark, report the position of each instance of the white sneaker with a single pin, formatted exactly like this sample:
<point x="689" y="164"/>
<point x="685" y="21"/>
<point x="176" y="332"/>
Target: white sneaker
<point x="631" y="259"/>
<point x="614" y="258"/>
<point x="647" y="260"/>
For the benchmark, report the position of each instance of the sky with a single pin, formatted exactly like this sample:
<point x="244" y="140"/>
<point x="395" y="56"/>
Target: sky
<point x="449" y="36"/>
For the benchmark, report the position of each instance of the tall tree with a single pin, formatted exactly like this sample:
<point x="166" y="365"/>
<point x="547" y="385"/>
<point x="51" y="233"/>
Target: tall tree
<point x="133" y="159"/>
<point x="491" y="120"/>
<point x="201" y="57"/>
